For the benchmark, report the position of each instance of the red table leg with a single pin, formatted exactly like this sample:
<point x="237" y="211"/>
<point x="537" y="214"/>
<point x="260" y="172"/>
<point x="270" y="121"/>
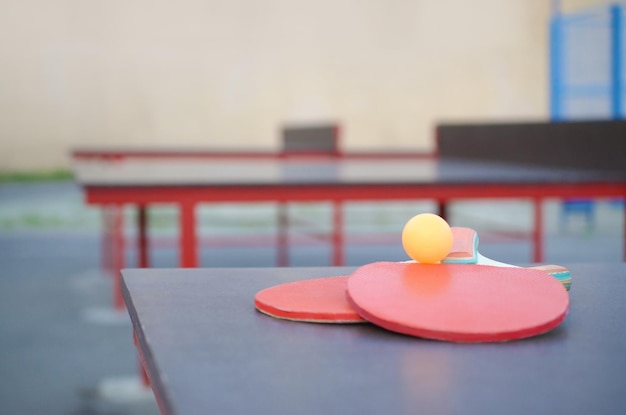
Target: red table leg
<point x="338" y="255"/>
<point x="538" y="230"/>
<point x="188" y="242"/>
<point x="118" y="254"/>
<point x="143" y="375"/>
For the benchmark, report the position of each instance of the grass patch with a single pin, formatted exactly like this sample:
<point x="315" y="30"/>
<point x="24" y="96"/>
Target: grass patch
<point x="35" y="176"/>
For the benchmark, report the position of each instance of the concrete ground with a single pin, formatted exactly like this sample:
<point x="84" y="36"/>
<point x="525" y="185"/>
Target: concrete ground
<point x="62" y="350"/>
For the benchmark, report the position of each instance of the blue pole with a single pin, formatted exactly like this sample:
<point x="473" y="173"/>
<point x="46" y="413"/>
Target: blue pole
<point x="556" y="52"/>
<point x="616" y="61"/>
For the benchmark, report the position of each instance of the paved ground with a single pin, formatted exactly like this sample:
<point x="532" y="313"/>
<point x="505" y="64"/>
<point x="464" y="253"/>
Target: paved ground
<point x="58" y="352"/>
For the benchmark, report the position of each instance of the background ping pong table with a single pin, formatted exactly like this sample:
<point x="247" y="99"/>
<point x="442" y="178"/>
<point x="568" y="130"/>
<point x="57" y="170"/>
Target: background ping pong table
<point x="205" y="177"/>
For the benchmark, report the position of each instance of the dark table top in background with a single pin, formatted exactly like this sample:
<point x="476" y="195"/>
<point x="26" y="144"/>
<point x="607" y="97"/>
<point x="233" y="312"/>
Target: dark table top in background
<point x="323" y="171"/>
<point x="209" y="351"/>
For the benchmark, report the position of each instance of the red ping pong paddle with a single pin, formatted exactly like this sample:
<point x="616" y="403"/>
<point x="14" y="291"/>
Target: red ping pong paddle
<point x="459" y="303"/>
<point x="319" y="300"/>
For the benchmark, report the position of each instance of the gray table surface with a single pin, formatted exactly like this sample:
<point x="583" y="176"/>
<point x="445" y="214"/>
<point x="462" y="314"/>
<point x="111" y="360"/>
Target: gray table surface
<point x="209" y="351"/>
<point x="259" y="172"/>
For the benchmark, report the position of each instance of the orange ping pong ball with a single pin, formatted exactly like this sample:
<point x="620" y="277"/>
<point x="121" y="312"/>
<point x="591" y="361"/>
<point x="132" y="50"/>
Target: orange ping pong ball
<point x="427" y="238"/>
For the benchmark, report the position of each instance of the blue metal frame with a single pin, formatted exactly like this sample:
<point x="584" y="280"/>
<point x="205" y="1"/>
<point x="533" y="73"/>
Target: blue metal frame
<point x="616" y="61"/>
<point x="613" y="89"/>
<point x="559" y="90"/>
<point x="555" y="67"/>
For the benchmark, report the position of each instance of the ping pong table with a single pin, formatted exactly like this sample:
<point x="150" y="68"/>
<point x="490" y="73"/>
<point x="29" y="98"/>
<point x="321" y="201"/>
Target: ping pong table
<point x="207" y="350"/>
<point x="189" y="182"/>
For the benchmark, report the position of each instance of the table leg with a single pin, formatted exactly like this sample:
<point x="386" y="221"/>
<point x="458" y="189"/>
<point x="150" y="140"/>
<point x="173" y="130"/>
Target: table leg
<point x="442" y="209"/>
<point x="538" y="230"/>
<point x="338" y="254"/>
<point x="142" y="236"/>
<point x="106" y="243"/>
<point x="143" y="375"/>
<point x="188" y="248"/>
<point x="118" y="254"/>
<point x="282" y="249"/>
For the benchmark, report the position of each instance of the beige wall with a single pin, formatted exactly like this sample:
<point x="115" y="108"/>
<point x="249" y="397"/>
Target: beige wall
<point x="228" y="73"/>
<point x="568" y="6"/>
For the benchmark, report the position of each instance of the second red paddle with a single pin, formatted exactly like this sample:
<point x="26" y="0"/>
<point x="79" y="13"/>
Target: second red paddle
<point x="320" y="300"/>
<point x="458" y="303"/>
